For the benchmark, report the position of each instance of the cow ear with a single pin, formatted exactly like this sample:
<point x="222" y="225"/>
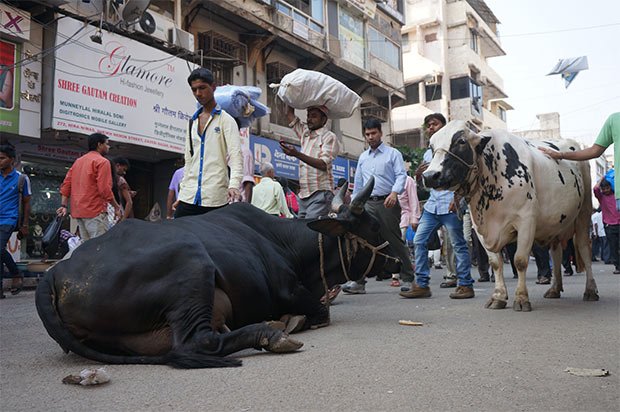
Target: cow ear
<point x="481" y="142"/>
<point x="329" y="226"/>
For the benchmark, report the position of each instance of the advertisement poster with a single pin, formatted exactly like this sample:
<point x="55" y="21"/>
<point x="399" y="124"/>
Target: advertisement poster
<point x="351" y="31"/>
<point x="127" y="90"/>
<point x="9" y="95"/>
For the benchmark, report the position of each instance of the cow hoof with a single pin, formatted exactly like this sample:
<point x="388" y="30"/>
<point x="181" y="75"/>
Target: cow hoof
<point x="522" y="306"/>
<point x="277" y="325"/>
<point x="552" y="294"/>
<point x="319" y="325"/>
<point x="283" y="343"/>
<point x="495" y="304"/>
<point x="590" y="296"/>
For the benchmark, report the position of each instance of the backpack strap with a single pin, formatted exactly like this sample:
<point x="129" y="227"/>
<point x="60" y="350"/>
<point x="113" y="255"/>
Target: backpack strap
<point x="191" y="122"/>
<point x="21" y="181"/>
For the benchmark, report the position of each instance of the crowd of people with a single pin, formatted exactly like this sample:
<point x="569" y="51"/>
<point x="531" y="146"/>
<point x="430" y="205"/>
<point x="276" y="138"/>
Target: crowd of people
<point x="215" y="174"/>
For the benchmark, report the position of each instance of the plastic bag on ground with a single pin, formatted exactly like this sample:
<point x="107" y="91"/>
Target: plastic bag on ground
<point x="301" y="89"/>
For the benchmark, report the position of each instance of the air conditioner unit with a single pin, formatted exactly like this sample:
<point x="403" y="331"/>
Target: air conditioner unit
<point x="433" y="80"/>
<point x="182" y="38"/>
<point x="155" y="25"/>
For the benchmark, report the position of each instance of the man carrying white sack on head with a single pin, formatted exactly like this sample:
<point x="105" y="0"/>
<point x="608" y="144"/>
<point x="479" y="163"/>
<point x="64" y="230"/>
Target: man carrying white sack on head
<point x="319" y="147"/>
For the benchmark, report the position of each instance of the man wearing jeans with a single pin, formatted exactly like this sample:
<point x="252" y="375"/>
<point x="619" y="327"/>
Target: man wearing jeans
<point x="12" y="183"/>
<point x="440" y="209"/>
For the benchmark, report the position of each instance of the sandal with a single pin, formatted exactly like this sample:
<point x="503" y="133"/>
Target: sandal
<point x="543" y="281"/>
<point x="395" y="283"/>
<point x="331" y="294"/>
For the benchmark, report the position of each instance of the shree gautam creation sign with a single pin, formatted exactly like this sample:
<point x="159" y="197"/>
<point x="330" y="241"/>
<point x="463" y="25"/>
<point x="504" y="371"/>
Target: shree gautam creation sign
<point x="131" y="92"/>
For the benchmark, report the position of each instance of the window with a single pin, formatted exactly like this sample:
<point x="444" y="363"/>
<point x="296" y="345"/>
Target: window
<point x="473" y="41"/>
<point x="383" y="48"/>
<point x="307" y="12"/>
<point x="501" y="113"/>
<point x="275" y="72"/>
<point x="413" y="93"/>
<point x="459" y="88"/>
<point x="433" y="92"/>
<point x="476" y="98"/>
<point x="405" y="42"/>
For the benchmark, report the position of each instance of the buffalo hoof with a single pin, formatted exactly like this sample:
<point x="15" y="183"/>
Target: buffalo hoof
<point x="590" y="296"/>
<point x="552" y="294"/>
<point x="522" y="306"/>
<point x="495" y="304"/>
<point x="283" y="343"/>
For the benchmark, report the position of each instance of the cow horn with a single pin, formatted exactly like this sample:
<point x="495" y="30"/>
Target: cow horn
<point x="339" y="198"/>
<point x="357" y="205"/>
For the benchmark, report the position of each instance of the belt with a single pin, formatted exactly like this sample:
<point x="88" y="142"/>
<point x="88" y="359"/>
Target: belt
<point x="377" y="198"/>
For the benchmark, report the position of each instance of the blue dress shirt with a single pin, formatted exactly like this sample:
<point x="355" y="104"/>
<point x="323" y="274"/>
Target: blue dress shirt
<point x="388" y="168"/>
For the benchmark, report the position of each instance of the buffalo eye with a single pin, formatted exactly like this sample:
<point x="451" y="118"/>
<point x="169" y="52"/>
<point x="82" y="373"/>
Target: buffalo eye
<point x="462" y="141"/>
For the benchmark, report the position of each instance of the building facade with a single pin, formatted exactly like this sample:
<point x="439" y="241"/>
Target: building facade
<point x="446" y="47"/>
<point x="119" y="68"/>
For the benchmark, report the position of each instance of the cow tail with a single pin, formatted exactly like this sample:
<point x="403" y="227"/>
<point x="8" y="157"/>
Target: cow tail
<point x="45" y="300"/>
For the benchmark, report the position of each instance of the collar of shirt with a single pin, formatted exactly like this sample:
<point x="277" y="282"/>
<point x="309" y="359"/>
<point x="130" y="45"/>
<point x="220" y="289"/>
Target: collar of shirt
<point x="216" y="110"/>
<point x="379" y="149"/>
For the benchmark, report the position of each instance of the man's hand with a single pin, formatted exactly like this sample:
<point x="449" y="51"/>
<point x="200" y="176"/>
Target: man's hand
<point x="414" y="226"/>
<point x="22" y="233"/>
<point x="175" y="205"/>
<point x="234" y="195"/>
<point x="421" y="169"/>
<point x="452" y="207"/>
<point x="289" y="149"/>
<point x="391" y="200"/>
<point x="117" y="213"/>
<point x="554" y="154"/>
<point x="61" y="211"/>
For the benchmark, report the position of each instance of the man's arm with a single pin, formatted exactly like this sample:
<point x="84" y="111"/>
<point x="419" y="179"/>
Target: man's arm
<point x="23" y="229"/>
<point x="235" y="161"/>
<point x="169" y="202"/>
<point x="280" y="198"/>
<point x="65" y="192"/>
<point x="128" y="201"/>
<point x="588" y="153"/>
<point x="290" y="150"/>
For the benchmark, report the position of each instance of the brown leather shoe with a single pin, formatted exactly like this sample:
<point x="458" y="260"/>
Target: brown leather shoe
<point x="417" y="292"/>
<point x="463" y="292"/>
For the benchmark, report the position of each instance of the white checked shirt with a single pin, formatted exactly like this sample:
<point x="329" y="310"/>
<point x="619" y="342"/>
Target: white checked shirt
<point x="439" y="201"/>
<point x="322" y="144"/>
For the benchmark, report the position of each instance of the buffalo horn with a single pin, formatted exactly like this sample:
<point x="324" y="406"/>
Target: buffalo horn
<point x="357" y="205"/>
<point x="339" y="198"/>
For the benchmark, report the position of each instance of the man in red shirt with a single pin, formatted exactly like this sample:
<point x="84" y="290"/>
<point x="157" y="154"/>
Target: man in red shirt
<point x="89" y="186"/>
<point x="611" y="220"/>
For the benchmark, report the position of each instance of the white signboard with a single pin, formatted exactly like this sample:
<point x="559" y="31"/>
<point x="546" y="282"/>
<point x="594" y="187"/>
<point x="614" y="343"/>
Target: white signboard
<point x="131" y="92"/>
<point x="14" y="22"/>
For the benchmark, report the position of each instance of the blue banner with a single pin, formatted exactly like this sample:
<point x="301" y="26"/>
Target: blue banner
<point x="268" y="150"/>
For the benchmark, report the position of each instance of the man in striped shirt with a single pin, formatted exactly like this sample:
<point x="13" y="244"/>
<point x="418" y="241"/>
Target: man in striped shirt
<point x="319" y="147"/>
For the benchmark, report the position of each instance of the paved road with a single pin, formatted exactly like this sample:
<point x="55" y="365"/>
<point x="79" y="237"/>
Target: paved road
<point x="465" y="357"/>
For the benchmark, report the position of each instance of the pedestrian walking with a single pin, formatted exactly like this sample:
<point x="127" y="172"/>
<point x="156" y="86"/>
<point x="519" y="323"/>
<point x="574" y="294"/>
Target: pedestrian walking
<point x="211" y="147"/>
<point x="319" y="148"/>
<point x="88" y="185"/>
<point x="268" y="194"/>
<point x="15" y="193"/>
<point x="439" y="209"/>
<point x="611" y="220"/>
<point x="386" y="165"/>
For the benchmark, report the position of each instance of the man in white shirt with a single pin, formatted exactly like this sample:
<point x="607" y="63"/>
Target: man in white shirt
<point x="268" y="195"/>
<point x="600" y="247"/>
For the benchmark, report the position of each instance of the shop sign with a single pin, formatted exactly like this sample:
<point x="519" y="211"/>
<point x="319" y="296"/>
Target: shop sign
<point x="352" y="169"/>
<point x="14" y="22"/>
<point x="64" y="152"/>
<point x="351" y="36"/>
<point x="127" y="90"/>
<point x="339" y="168"/>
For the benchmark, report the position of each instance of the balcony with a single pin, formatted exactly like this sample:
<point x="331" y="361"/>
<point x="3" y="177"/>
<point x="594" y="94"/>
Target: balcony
<point x="221" y="47"/>
<point x="373" y="110"/>
<point x="299" y="23"/>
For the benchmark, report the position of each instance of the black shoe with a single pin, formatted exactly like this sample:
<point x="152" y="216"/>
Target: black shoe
<point x="484" y="278"/>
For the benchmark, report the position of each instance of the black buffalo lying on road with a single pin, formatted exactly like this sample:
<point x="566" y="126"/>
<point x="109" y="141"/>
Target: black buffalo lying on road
<point x="190" y="291"/>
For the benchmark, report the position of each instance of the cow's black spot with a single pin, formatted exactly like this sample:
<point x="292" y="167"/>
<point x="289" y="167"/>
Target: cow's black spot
<point x="529" y="195"/>
<point x="572" y="148"/>
<point x="576" y="185"/>
<point x="562" y="217"/>
<point x="561" y="177"/>
<point x="514" y="167"/>
<point x="551" y="145"/>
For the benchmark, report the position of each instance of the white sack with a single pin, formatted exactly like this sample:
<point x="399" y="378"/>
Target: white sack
<point x="301" y="89"/>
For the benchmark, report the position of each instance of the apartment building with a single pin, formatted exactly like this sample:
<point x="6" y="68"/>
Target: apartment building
<point x="120" y="67"/>
<point x="446" y="47"/>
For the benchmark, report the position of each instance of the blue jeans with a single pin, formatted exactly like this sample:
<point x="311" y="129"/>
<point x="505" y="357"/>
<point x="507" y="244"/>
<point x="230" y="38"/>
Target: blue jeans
<point x="430" y="222"/>
<point x="5" y="233"/>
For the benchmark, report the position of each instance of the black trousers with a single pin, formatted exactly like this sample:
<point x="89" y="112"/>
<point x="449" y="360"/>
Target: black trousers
<point x="186" y="209"/>
<point x="613" y="240"/>
<point x="541" y="254"/>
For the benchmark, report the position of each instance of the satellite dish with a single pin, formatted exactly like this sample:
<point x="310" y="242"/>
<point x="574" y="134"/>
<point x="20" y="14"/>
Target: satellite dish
<point x="147" y="23"/>
<point x="133" y="10"/>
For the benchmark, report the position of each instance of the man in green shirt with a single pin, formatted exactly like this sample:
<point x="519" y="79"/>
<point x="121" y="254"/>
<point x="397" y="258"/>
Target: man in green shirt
<point x="610" y="133"/>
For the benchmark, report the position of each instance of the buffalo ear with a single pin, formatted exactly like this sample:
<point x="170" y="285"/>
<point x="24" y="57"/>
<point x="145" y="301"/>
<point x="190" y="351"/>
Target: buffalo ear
<point x="329" y="226"/>
<point x="481" y="143"/>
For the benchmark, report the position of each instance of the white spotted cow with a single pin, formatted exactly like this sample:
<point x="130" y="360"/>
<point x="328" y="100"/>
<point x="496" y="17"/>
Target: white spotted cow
<point x="515" y="192"/>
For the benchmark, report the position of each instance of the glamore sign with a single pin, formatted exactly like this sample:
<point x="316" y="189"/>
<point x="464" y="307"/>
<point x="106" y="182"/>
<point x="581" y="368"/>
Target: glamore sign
<point x="131" y="92"/>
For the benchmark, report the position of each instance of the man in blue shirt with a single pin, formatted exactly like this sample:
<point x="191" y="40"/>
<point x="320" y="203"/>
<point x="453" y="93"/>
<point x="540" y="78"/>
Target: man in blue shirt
<point x="440" y="209"/>
<point x="10" y="212"/>
<point x="388" y="168"/>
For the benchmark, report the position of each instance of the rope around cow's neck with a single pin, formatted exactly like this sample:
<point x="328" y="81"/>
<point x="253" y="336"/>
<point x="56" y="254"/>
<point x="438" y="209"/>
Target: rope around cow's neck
<point x="352" y="242"/>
